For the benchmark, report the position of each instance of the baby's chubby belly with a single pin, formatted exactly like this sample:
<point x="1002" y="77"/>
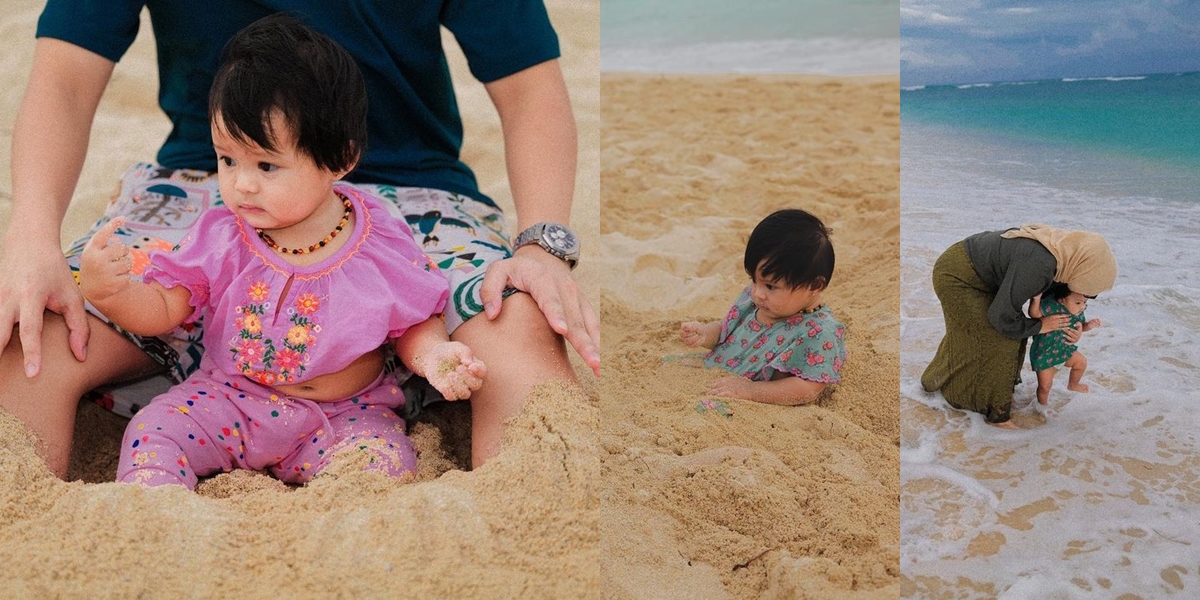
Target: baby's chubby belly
<point x="341" y="384"/>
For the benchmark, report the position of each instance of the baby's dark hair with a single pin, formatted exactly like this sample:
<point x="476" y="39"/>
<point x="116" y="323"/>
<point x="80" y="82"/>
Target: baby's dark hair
<point x="278" y="63"/>
<point x="793" y="246"/>
<point x="1057" y="290"/>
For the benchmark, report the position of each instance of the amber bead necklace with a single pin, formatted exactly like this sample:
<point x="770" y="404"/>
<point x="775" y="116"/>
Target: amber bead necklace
<point x="266" y="238"/>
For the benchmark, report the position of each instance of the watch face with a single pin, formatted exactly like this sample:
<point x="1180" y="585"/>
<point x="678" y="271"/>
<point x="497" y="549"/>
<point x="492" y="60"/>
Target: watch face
<point x="560" y="238"/>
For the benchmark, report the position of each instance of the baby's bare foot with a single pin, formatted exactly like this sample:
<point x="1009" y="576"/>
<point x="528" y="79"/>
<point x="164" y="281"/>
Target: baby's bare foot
<point x="1078" y="387"/>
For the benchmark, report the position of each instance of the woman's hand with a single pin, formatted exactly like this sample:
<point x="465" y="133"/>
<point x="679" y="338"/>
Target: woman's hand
<point x="33" y="280"/>
<point x="105" y="264"/>
<point x="547" y="279"/>
<point x="1072" y="334"/>
<point x="1055" y="323"/>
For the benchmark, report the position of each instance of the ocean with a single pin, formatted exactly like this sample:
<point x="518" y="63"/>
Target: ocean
<point x="1099" y="497"/>
<point x="833" y="37"/>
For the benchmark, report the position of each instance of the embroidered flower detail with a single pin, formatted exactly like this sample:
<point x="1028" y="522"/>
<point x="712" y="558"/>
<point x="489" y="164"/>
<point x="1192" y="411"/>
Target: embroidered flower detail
<point x="786" y="356"/>
<point x="733" y="362"/>
<point x="761" y="340"/>
<point x="298" y="336"/>
<point x="828" y="345"/>
<point x="839" y="332"/>
<point x="837" y="364"/>
<point x="258" y="357"/>
<point x="307" y="304"/>
<point x="813" y="358"/>
<point x="814" y="329"/>
<point x="794" y="320"/>
<point x="251" y="323"/>
<point x="258" y="291"/>
<point x="754" y="326"/>
<point x="754" y="359"/>
<point x="249" y="351"/>
<point x="769" y="355"/>
<point x="779" y="340"/>
<point x="745" y="343"/>
<point x="288" y="359"/>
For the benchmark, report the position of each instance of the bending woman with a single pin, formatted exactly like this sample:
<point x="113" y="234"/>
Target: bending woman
<point x="983" y="283"/>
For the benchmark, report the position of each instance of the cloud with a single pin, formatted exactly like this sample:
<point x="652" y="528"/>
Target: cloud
<point x="914" y="16"/>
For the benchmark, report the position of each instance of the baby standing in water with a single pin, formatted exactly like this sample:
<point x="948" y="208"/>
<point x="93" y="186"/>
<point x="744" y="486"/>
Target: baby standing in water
<point x="1050" y="351"/>
<point x="300" y="281"/>
<point x="782" y="344"/>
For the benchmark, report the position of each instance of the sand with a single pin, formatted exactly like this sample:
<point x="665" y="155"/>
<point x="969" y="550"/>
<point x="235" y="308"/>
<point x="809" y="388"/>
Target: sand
<point x="768" y="502"/>
<point x="524" y="525"/>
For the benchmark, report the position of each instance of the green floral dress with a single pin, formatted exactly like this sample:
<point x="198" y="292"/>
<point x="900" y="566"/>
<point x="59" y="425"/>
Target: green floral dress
<point x="1051" y="350"/>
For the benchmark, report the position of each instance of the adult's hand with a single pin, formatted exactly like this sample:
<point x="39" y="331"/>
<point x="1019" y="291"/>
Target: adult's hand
<point x="35" y="278"/>
<point x="548" y="280"/>
<point x="1055" y="323"/>
<point x="1072" y="334"/>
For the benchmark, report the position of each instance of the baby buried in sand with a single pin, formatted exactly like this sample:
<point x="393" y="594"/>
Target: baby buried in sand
<point x="778" y="338"/>
<point x="1050" y="351"/>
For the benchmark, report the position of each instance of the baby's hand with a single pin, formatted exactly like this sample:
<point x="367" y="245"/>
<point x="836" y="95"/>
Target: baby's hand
<point x="105" y="264"/>
<point x="692" y="333"/>
<point x="732" y="387"/>
<point x="452" y="369"/>
<point x="1091" y="324"/>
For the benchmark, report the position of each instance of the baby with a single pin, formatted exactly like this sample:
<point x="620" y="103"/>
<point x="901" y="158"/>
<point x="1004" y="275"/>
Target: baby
<point x="300" y="281"/>
<point x="778" y="338"/>
<point x="1050" y="351"/>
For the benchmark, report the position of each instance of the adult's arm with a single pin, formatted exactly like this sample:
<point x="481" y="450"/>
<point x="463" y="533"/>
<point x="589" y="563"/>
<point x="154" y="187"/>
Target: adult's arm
<point x="540" y="153"/>
<point x="1023" y="280"/>
<point x="50" y="140"/>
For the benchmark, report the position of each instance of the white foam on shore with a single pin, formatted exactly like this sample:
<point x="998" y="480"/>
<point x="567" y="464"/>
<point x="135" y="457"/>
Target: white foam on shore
<point x="823" y="56"/>
<point x="1102" y="496"/>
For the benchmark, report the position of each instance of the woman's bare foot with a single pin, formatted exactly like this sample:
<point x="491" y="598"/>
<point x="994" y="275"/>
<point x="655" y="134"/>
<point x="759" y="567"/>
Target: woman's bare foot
<point x="1078" y="387"/>
<point x="1005" y="425"/>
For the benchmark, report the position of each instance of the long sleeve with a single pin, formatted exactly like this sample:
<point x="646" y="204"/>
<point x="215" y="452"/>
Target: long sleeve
<point x="1019" y="269"/>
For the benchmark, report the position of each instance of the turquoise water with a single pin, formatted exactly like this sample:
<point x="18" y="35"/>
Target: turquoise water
<point x="811" y="36"/>
<point x="1154" y="118"/>
<point x="1107" y="479"/>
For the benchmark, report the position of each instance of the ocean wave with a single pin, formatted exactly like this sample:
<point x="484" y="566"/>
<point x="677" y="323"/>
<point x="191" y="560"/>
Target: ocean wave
<point x="824" y="56"/>
<point x="1127" y="78"/>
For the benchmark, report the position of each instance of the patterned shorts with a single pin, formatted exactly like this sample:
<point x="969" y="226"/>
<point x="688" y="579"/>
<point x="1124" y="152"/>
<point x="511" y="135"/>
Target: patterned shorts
<point x="460" y="234"/>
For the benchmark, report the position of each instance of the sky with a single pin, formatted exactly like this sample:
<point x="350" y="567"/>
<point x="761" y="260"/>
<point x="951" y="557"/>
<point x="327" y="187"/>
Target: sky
<point x="978" y="41"/>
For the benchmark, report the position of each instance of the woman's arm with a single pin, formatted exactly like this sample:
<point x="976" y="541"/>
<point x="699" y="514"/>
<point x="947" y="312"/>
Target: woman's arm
<point x="785" y="391"/>
<point x="1035" y="307"/>
<point x="50" y="140"/>
<point x="540" y="152"/>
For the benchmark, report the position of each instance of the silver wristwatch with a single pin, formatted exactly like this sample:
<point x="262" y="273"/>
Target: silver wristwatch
<point x="555" y="238"/>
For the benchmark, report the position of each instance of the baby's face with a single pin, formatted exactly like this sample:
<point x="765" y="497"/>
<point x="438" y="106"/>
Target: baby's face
<point x="1075" y="302"/>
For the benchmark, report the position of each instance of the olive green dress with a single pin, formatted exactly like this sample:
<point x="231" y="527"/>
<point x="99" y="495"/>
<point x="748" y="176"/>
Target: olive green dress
<point x="978" y="362"/>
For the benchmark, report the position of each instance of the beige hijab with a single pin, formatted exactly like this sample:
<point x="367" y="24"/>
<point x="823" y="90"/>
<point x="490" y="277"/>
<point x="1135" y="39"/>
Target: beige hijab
<point x="1085" y="262"/>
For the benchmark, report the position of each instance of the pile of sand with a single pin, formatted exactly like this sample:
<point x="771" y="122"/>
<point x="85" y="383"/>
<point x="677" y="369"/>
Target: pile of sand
<point x="523" y="525"/>
<point x="777" y="502"/>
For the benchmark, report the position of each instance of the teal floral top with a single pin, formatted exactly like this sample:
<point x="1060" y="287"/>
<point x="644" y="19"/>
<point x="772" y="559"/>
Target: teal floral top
<point x="1050" y="350"/>
<point x="808" y="345"/>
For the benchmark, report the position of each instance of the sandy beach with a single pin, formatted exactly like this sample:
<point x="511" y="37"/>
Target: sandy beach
<point x="524" y="525"/>
<point x="765" y="501"/>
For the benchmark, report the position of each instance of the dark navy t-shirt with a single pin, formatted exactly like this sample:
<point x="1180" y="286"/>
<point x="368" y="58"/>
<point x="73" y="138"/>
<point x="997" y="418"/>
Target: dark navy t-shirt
<point x="414" y="129"/>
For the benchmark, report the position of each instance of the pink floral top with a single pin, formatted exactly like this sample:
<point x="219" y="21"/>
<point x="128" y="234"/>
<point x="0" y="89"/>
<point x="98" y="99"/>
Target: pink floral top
<point x="373" y="288"/>
<point x="809" y="346"/>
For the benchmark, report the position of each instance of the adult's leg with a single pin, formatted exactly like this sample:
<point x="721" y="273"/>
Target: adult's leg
<point x="47" y="403"/>
<point x="520" y="351"/>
